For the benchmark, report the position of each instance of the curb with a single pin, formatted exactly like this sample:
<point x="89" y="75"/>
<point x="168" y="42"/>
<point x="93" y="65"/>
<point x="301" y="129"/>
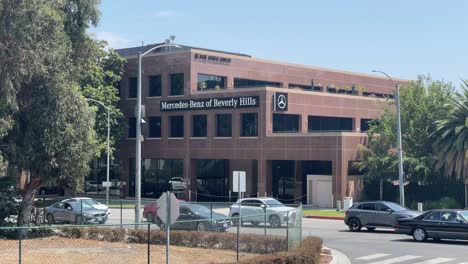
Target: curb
<point x="325" y="217"/>
<point x="339" y="258"/>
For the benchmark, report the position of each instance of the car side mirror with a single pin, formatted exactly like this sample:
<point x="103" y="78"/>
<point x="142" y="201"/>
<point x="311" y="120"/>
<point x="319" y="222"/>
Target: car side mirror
<point x="69" y="208"/>
<point x="389" y="210"/>
<point x="263" y="206"/>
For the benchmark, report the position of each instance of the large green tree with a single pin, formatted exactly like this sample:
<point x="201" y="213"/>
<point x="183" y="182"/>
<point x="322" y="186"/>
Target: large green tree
<point x="451" y="139"/>
<point x="46" y="124"/>
<point x="422" y="104"/>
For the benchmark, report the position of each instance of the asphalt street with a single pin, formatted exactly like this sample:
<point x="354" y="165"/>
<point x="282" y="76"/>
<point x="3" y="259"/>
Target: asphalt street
<point x="378" y="247"/>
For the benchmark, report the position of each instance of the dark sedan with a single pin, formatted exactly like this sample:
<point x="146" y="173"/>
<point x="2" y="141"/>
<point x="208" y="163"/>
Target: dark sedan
<point x="198" y="217"/>
<point x="436" y="224"/>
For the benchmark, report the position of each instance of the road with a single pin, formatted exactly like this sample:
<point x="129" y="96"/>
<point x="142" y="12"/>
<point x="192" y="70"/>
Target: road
<point x="378" y="247"/>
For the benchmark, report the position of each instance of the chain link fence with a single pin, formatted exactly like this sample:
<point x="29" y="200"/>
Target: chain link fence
<point x="202" y="234"/>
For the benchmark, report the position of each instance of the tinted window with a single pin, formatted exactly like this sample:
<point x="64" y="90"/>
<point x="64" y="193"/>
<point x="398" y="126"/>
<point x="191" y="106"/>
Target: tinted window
<point x="210" y="82"/>
<point x="381" y="208"/>
<point x="249" y="126"/>
<point x="155" y="85"/>
<point x="448" y="216"/>
<point x="325" y="123"/>
<point x="155" y="127"/>
<point x="224" y="125"/>
<point x="367" y="206"/>
<point x="132" y="87"/>
<point x="131" y="127"/>
<point x="199" y="124"/>
<point x="184" y="210"/>
<point x="285" y="123"/>
<point x="177" y="84"/>
<point x="177" y="126"/>
<point x="365" y="124"/>
<point x="435" y="216"/>
<point x="248" y="202"/>
<point x="464" y="214"/>
<point x="240" y="83"/>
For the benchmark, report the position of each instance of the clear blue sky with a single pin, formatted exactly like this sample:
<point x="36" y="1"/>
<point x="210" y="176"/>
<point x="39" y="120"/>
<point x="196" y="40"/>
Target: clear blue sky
<point x="404" y="38"/>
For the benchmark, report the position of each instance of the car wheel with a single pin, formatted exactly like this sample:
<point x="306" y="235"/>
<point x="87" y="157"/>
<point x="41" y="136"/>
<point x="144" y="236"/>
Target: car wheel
<point x="78" y="220"/>
<point x="274" y="221"/>
<point x="50" y="219"/>
<point x="354" y="225"/>
<point x="201" y="227"/>
<point x="419" y="234"/>
<point x="150" y="217"/>
<point x="370" y="228"/>
<point x="235" y="219"/>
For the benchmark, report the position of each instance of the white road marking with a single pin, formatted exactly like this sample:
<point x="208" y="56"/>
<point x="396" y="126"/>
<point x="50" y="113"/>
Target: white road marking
<point x="436" y="261"/>
<point x="396" y="260"/>
<point x="374" y="256"/>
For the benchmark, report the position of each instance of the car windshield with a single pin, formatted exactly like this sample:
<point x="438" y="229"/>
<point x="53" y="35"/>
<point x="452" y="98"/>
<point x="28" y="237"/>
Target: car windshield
<point x="396" y="207"/>
<point x="273" y="203"/>
<point x="198" y="209"/>
<point x="464" y="214"/>
<point x="91" y="202"/>
<point x="77" y="205"/>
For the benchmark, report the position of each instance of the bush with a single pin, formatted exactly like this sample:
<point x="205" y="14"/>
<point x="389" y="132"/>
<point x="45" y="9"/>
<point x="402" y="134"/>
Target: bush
<point x="307" y="253"/>
<point x="249" y="243"/>
<point x="442" y="203"/>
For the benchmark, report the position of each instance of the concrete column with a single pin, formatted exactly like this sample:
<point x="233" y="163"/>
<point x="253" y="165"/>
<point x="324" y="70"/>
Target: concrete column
<point x="298" y="177"/>
<point x="264" y="177"/>
<point x="340" y="173"/>
<point x="357" y="124"/>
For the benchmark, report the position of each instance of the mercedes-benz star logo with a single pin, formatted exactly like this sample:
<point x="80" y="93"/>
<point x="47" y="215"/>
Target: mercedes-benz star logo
<point x="281" y="101"/>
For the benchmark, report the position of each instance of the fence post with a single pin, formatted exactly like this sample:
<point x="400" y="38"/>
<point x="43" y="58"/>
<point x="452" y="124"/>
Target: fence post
<point x="300" y="223"/>
<point x="149" y="252"/>
<point x="81" y="208"/>
<point x="19" y="244"/>
<point x="211" y="211"/>
<point x="121" y="205"/>
<point x="287" y="228"/>
<point x="265" y="218"/>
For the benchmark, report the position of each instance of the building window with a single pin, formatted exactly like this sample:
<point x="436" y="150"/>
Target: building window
<point x="365" y="124"/>
<point x="249" y="126"/>
<point x="131" y="127"/>
<point x="155" y="85"/>
<point x="199" y="124"/>
<point x="155" y="127"/>
<point x="284" y="123"/>
<point x="177" y="84"/>
<point x="210" y="82"/>
<point x="241" y="83"/>
<point x="325" y="123"/>
<point x="301" y="86"/>
<point x="132" y="87"/>
<point x="177" y="126"/>
<point x="224" y="125"/>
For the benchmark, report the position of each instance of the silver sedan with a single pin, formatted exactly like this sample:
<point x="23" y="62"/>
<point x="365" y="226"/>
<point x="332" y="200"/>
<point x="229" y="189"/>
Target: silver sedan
<point x="75" y="213"/>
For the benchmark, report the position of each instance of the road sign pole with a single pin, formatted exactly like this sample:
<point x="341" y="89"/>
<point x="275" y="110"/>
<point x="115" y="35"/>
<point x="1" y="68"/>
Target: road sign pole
<point x="168" y="224"/>
<point x="239" y="221"/>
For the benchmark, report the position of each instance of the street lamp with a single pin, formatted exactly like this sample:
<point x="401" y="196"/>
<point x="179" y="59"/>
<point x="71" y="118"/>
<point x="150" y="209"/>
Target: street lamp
<point x="108" y="145"/>
<point x="167" y="43"/>
<point x="400" y="150"/>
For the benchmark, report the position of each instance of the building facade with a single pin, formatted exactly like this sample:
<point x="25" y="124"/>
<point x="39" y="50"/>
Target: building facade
<point x="295" y="130"/>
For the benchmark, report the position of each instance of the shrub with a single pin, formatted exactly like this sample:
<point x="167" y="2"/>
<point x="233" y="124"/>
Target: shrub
<point x="442" y="203"/>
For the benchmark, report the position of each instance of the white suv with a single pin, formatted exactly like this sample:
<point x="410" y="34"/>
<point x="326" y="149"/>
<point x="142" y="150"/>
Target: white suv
<point x="253" y="211"/>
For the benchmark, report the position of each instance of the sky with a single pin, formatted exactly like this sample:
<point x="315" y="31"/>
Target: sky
<point x="403" y="38"/>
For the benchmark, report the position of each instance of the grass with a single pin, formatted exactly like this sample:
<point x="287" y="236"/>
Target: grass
<point x="326" y="213"/>
<point x="124" y="206"/>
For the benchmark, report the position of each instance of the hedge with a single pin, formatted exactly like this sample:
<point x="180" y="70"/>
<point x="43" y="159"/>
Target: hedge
<point x="307" y="253"/>
<point x="249" y="243"/>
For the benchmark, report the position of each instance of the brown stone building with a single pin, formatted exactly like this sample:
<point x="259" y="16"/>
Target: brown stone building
<point x="294" y="129"/>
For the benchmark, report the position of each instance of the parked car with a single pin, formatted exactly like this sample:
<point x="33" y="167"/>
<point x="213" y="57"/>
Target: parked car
<point x="74" y="212"/>
<point x="253" y="209"/>
<point x="436" y="224"/>
<point x="177" y="184"/>
<point x="373" y="214"/>
<point x="95" y="204"/>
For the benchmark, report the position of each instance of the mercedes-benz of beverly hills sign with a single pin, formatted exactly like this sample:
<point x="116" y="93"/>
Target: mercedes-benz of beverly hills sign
<point x="210" y="103"/>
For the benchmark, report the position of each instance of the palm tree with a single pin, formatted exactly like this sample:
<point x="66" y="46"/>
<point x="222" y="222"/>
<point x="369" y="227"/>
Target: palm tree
<point x="451" y="139"/>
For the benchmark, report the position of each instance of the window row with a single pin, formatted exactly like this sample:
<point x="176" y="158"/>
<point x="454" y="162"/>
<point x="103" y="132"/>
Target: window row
<point x="223" y="126"/>
<point x="207" y="82"/>
<point x="290" y="123"/>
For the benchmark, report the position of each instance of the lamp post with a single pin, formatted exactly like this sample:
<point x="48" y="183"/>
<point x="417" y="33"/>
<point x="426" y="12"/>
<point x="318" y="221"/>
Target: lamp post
<point x="167" y="43"/>
<point x="400" y="150"/>
<point x="108" y="145"/>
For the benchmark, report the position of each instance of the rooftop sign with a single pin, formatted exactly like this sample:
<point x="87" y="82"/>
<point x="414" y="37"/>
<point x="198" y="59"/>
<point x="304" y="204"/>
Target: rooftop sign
<point x="211" y="59"/>
<point x="210" y="103"/>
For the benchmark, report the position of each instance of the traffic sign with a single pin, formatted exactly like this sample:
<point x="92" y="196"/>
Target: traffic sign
<point x="238" y="181"/>
<point x="168" y="208"/>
